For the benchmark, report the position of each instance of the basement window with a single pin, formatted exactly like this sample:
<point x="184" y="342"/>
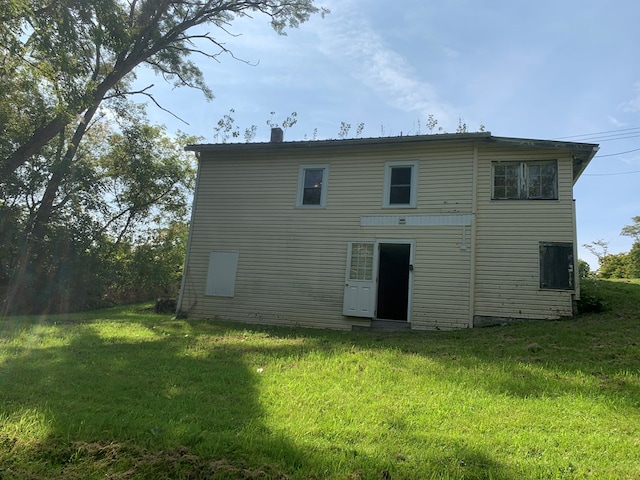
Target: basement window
<point x="533" y="180"/>
<point x="556" y="266"/>
<point x="312" y="186"/>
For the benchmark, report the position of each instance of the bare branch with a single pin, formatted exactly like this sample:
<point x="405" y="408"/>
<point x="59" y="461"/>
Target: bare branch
<point x="167" y="74"/>
<point x="214" y="56"/>
<point x="133" y="210"/>
<point x="164" y="109"/>
<point x="120" y="94"/>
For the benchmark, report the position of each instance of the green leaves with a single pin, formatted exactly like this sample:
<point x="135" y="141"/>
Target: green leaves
<point x="619" y="265"/>
<point x="632" y="230"/>
<point x="111" y="210"/>
<point x="81" y="53"/>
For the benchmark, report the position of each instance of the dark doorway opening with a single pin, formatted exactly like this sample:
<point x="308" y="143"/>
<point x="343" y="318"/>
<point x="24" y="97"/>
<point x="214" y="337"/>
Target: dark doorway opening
<point x="393" y="281"/>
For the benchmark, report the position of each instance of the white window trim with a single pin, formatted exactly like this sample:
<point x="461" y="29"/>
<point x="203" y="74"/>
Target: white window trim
<point x="387" y="184"/>
<point x="325" y="185"/>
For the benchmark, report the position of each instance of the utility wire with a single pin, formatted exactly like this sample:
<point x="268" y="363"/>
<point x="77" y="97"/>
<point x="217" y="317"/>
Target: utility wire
<point x="609" y="174"/>
<point x="619" y="153"/>
<point x="607" y="135"/>
<point x="636" y="129"/>
<point x="612" y="137"/>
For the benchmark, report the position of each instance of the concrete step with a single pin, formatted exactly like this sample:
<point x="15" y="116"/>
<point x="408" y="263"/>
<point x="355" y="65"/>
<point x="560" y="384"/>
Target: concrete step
<point x="384" y="326"/>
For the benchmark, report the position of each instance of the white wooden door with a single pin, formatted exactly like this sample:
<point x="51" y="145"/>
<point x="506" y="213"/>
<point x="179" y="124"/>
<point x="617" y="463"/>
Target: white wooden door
<point x="360" y="284"/>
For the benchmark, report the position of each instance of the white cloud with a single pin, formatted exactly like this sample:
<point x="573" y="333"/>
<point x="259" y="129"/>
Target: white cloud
<point x="373" y="63"/>
<point x="632" y="105"/>
<point x="451" y="53"/>
<point x="632" y="159"/>
<point x="615" y="122"/>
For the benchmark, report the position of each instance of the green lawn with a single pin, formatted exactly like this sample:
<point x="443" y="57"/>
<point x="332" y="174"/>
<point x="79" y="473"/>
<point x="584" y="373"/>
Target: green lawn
<point x="127" y="394"/>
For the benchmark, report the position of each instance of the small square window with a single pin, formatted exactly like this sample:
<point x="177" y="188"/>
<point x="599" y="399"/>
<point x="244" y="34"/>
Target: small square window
<point x="312" y="186"/>
<point x="400" y="184"/>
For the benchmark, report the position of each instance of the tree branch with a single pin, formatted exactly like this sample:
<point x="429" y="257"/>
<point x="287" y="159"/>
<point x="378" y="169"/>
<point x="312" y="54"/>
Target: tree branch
<point x="133" y="210"/>
<point x="120" y="93"/>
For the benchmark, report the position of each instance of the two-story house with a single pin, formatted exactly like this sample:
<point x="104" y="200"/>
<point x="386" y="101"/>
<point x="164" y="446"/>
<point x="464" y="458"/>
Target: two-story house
<point x="431" y="232"/>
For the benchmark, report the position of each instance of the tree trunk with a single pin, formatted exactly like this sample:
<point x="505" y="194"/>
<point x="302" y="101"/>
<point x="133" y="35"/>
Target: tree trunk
<point x="45" y="209"/>
<point x="41" y="136"/>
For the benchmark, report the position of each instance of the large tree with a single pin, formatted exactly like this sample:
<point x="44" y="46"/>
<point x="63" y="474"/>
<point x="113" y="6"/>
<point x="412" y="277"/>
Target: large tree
<point x="84" y="52"/>
<point x="64" y="64"/>
<point x="619" y="265"/>
<point x="633" y="257"/>
<point x="632" y="230"/>
<point x="130" y="181"/>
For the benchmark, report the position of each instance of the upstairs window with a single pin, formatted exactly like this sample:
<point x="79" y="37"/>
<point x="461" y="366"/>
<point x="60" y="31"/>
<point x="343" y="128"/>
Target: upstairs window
<point x="400" y="184"/>
<point x="534" y="180"/>
<point x="312" y="186"/>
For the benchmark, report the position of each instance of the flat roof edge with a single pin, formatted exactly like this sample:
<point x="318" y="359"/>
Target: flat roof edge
<point x="406" y="139"/>
<point x="401" y="140"/>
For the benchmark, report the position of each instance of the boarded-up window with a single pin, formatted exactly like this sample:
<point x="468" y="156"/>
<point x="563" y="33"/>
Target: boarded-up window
<point x="221" y="277"/>
<point x="556" y="266"/>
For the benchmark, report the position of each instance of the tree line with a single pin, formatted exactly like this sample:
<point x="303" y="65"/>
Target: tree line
<point x="616" y="265"/>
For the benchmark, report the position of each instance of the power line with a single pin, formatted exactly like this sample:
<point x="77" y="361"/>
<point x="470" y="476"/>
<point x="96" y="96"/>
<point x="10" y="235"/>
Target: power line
<point x="609" y="174"/>
<point x="612" y="137"/>
<point x="619" y="153"/>
<point x="607" y="135"/>
<point x="637" y="129"/>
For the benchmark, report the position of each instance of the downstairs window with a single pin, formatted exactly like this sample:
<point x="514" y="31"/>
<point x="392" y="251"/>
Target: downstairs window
<point x="556" y="266"/>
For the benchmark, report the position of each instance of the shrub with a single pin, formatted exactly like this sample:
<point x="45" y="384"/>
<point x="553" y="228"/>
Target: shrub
<point x="591" y="300"/>
<point x="584" y="270"/>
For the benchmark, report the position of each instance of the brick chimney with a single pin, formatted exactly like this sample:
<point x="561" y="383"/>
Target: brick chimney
<point x="277" y="135"/>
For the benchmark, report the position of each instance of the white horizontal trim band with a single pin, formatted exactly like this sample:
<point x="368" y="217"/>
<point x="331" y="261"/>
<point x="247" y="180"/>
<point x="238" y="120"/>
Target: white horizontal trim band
<point x="416" y="220"/>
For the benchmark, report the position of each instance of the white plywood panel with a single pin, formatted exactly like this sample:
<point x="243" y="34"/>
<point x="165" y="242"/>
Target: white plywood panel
<point x="221" y="276"/>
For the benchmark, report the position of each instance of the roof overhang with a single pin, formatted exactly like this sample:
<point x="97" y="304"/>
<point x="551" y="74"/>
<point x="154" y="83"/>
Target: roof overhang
<point x="582" y="153"/>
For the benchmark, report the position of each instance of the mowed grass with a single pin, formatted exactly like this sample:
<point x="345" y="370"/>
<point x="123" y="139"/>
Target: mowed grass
<point x="127" y="394"/>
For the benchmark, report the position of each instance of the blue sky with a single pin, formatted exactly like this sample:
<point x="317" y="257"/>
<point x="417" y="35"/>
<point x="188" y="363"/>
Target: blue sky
<point x="561" y="69"/>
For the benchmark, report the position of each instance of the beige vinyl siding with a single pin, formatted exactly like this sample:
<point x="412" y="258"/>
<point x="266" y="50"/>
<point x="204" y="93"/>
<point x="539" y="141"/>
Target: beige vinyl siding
<point x="441" y="279"/>
<point x="292" y="261"/>
<point x="508" y="233"/>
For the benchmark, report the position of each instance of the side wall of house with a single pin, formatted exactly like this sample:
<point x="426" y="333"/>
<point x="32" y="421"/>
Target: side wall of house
<point x="508" y="236"/>
<point x="292" y="261"/>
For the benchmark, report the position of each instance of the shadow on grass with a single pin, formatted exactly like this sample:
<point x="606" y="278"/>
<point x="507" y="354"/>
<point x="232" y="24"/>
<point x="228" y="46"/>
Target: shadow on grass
<point x="160" y="403"/>
<point x="152" y="395"/>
